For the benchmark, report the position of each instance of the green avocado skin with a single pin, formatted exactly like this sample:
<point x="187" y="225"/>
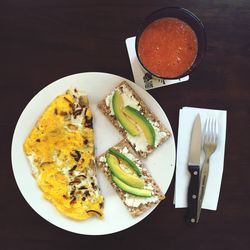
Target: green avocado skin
<point x="131" y="190"/>
<point x="118" y="110"/>
<point x="142" y="122"/>
<point x="131" y="180"/>
<point x="125" y="158"/>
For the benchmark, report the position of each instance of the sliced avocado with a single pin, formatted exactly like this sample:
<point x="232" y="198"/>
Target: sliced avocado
<point x="117" y="104"/>
<point x="142" y="121"/>
<point x="131" y="190"/>
<point x="126" y="159"/>
<point x="129" y="179"/>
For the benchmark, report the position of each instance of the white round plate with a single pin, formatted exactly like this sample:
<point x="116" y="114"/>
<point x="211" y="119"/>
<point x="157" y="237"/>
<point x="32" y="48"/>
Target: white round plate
<point x="160" y="163"/>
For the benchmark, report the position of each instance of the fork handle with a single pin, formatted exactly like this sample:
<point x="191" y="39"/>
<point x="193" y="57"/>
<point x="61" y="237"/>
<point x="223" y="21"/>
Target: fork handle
<point x="193" y="190"/>
<point x="203" y="184"/>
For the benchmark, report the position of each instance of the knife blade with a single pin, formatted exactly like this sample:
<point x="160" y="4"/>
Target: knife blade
<point x="194" y="169"/>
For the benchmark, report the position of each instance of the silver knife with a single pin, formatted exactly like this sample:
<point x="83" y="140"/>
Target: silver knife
<point x="194" y="169"/>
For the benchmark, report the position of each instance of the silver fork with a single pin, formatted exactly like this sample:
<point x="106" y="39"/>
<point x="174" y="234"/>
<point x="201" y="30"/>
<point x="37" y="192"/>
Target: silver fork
<point x="209" y="146"/>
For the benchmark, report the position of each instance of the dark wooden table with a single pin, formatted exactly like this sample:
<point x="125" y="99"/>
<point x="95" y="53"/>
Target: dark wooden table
<point x="42" y="41"/>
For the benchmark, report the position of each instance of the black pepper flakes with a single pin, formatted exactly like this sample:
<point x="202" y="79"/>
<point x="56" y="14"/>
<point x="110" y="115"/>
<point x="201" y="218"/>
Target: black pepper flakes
<point x="77" y="112"/>
<point x="76" y="155"/>
<point x="66" y="99"/>
<point x="89" y="123"/>
<point x="73" y="168"/>
<point x="93" y="185"/>
<point x="101" y="205"/>
<point x="94" y="211"/>
<point x="77" y="180"/>
<point x="86" y="193"/>
<point x="73" y="201"/>
<point x="63" y="113"/>
<point x="82" y="175"/>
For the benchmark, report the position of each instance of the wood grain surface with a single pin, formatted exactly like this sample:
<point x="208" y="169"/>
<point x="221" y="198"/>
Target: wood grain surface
<point x="41" y="41"/>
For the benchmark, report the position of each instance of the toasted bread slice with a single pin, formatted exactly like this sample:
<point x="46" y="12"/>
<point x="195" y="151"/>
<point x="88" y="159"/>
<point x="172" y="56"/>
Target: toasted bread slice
<point x="136" y="205"/>
<point x="132" y="99"/>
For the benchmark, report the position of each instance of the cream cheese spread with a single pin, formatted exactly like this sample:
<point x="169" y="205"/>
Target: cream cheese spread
<point x="132" y="200"/>
<point x="140" y="143"/>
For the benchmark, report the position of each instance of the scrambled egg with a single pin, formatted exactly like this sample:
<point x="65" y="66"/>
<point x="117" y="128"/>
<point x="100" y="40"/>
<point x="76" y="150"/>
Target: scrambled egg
<point x="61" y="151"/>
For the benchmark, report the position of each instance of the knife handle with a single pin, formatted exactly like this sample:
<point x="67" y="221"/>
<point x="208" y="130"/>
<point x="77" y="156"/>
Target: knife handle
<point x="193" y="191"/>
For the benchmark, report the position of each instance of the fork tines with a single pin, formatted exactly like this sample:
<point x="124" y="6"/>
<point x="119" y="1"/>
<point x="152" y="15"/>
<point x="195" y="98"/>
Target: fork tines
<point x="211" y="130"/>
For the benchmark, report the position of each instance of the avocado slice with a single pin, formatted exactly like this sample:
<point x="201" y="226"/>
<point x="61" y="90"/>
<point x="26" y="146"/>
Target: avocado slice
<point x="131" y="190"/>
<point x="117" y="104"/>
<point x="129" y="179"/>
<point x="142" y="121"/>
<point x="126" y="159"/>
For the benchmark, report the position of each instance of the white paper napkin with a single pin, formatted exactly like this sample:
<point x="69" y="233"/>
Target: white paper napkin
<point x="186" y="119"/>
<point x="139" y="74"/>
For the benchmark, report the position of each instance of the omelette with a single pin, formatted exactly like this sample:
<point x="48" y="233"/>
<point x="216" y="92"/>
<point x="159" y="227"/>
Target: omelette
<point x="60" y="149"/>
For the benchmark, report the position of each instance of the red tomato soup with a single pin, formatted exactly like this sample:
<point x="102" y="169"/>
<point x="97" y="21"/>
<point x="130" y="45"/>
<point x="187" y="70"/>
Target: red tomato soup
<point x="168" y="47"/>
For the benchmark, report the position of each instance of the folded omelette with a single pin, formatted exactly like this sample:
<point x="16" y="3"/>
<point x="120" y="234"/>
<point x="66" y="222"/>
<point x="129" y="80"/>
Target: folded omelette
<point x="60" y="149"/>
